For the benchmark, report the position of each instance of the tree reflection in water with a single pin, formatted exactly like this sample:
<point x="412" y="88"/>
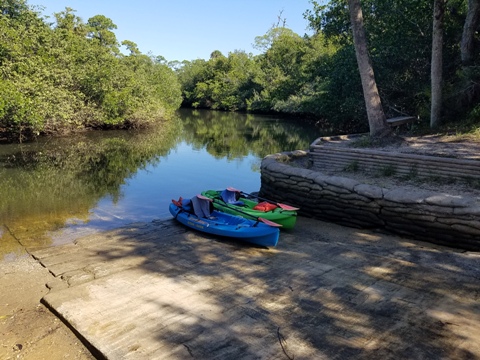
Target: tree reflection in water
<point x="106" y="179"/>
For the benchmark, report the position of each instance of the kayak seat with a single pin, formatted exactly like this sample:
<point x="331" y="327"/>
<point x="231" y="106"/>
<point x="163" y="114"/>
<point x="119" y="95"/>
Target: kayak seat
<point x="230" y="197"/>
<point x="201" y="207"/>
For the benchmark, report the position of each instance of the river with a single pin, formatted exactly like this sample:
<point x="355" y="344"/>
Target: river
<point x="55" y="190"/>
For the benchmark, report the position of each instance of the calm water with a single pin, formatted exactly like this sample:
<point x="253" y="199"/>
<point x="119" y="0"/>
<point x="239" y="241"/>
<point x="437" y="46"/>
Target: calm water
<point x="56" y="190"/>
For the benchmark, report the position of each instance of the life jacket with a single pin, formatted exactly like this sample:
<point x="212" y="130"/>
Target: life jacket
<point x="265" y="206"/>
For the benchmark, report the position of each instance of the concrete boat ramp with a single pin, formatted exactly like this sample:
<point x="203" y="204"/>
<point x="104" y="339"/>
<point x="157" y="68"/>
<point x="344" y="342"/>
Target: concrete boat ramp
<point x="162" y="291"/>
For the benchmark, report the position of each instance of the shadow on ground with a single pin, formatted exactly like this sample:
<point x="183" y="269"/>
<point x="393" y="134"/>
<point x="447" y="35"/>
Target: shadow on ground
<point x="325" y="292"/>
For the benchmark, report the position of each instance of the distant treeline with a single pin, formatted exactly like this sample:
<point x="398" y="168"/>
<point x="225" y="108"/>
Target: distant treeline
<point x="69" y="74"/>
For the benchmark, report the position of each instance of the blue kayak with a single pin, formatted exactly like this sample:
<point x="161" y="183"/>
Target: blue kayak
<point x="227" y="225"/>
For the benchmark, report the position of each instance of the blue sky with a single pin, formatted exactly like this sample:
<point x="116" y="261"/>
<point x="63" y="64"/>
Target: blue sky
<point x="189" y="29"/>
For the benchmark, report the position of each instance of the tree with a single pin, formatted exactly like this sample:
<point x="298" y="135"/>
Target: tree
<point x="131" y="46"/>
<point x="216" y="54"/>
<point x="376" y="116"/>
<point x="470" y="57"/>
<point x="64" y="76"/>
<point x="470" y="27"/>
<point x="13" y="8"/>
<point x="437" y="63"/>
<point x="100" y="28"/>
<point x="69" y="23"/>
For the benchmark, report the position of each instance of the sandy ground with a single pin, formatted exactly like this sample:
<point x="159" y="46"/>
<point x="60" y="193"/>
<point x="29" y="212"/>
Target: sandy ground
<point x="28" y="330"/>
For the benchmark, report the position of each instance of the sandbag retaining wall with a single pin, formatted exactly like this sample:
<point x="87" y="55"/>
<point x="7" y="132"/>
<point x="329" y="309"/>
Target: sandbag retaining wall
<point x="445" y="219"/>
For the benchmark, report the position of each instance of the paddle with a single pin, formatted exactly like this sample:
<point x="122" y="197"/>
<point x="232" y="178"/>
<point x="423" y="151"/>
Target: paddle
<point x="281" y="206"/>
<point x="265" y="221"/>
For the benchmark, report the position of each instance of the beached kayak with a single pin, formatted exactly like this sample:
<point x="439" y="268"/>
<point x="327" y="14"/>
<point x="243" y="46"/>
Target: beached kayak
<point x="230" y="202"/>
<point x="195" y="214"/>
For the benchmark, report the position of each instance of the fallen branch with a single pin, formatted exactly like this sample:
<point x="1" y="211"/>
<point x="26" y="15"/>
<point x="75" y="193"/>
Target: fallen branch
<point x="282" y="340"/>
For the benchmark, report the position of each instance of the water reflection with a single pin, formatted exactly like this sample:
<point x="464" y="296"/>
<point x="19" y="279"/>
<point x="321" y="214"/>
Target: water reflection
<point x="55" y="190"/>
<point x="233" y="135"/>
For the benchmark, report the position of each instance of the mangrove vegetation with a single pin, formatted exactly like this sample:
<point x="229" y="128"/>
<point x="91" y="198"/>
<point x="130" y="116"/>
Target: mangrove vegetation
<point x="68" y="74"/>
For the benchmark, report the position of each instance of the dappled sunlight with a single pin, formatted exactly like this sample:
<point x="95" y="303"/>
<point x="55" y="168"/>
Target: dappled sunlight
<point x="353" y="255"/>
<point x="464" y="323"/>
<point x="379" y="272"/>
<point x="366" y="237"/>
<point x="372" y="293"/>
<point x="449" y="267"/>
<point x="310" y="297"/>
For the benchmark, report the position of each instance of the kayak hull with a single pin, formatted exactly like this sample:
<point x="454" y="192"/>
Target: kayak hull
<point x="286" y="218"/>
<point x="227" y="225"/>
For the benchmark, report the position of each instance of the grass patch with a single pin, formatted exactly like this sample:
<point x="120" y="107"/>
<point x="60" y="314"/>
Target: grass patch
<point x="387" y="170"/>
<point x="472" y="182"/>
<point x="352" y="166"/>
<point x="440" y="180"/>
<point x="457" y="130"/>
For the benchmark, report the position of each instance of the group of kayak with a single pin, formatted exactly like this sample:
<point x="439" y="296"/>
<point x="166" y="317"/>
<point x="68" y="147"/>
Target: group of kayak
<point x="235" y="214"/>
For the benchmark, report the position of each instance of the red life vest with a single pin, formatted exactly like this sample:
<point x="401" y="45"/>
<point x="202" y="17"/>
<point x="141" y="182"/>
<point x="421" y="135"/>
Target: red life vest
<point x="265" y="206"/>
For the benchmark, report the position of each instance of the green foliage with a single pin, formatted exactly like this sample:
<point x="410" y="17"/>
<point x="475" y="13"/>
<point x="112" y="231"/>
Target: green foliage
<point x="68" y="75"/>
<point x="399" y="35"/>
<point x="100" y="29"/>
<point x="317" y="76"/>
<point x="223" y="83"/>
<point x="283" y="79"/>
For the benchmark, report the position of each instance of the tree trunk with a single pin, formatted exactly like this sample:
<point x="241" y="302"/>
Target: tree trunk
<point x="437" y="63"/>
<point x="376" y="116"/>
<point x="472" y="21"/>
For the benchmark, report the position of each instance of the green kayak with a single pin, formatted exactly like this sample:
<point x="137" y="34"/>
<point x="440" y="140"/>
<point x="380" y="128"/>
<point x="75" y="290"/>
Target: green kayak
<point x="232" y="202"/>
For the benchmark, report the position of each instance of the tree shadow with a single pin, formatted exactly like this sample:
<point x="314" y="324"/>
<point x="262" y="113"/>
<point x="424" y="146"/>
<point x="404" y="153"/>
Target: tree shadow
<point x="324" y="292"/>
